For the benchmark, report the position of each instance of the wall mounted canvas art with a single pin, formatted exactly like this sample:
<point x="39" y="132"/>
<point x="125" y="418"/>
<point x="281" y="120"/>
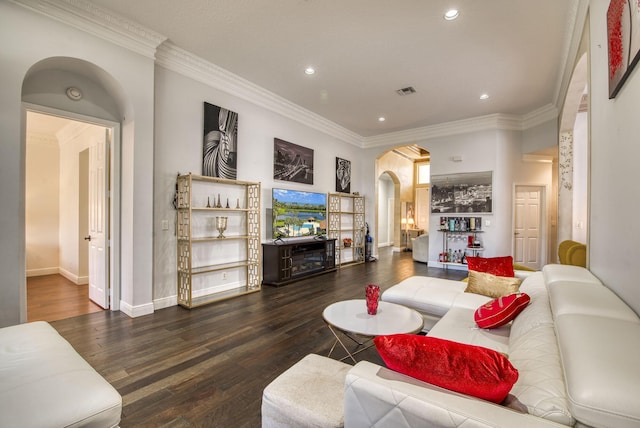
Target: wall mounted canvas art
<point x="292" y="162"/>
<point x="220" y="144"/>
<point x="462" y="193"/>
<point x="343" y="175"/>
<point x="623" y="38"/>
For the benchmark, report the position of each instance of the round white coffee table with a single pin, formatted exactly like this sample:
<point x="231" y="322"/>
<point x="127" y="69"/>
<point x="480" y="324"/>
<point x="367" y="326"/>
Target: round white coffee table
<point x="350" y="317"/>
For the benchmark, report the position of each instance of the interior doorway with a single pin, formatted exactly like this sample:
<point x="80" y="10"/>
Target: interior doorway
<point x="405" y="214"/>
<point x="528" y="230"/>
<point x="61" y="208"/>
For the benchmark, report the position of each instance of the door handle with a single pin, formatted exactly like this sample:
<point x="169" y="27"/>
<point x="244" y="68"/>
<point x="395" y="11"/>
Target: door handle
<point x="87" y="238"/>
<point x="515" y="233"/>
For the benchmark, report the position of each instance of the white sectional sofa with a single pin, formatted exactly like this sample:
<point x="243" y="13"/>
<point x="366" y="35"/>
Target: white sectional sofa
<point x="576" y="347"/>
<point x="44" y="382"/>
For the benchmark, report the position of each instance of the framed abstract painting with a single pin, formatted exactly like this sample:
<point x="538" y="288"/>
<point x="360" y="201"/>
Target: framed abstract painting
<point x="219" y="158"/>
<point x="623" y="39"/>
<point x="292" y="162"/>
<point x="343" y="175"/>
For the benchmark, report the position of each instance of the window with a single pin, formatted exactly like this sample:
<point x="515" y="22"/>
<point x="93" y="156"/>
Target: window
<point x="424" y="173"/>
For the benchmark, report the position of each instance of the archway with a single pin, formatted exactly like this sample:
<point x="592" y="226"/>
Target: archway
<point x="80" y="91"/>
<point x="573" y="161"/>
<point x="396" y="175"/>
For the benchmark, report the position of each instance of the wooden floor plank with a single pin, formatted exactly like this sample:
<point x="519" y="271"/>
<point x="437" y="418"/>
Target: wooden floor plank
<point x="207" y="367"/>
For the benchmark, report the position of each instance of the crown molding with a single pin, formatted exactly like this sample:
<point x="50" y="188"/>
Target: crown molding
<point x="106" y="25"/>
<point x="573" y="37"/>
<point x="72" y="130"/>
<point x="41" y="138"/>
<point x="539" y="116"/>
<point x="184" y="62"/>
<point x="481" y="123"/>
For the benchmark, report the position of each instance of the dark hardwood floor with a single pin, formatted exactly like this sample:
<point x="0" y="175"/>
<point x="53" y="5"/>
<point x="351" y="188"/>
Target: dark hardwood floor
<point x="54" y="297"/>
<point x="207" y="367"/>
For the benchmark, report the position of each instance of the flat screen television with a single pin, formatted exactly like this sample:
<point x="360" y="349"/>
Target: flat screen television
<point x="298" y="213"/>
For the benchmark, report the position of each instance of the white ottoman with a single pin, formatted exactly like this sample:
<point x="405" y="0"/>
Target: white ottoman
<point x="44" y="382"/>
<point x="309" y="394"/>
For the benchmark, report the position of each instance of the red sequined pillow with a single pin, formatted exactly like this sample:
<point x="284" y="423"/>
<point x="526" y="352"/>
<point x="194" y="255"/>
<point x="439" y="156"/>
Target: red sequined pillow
<point x="468" y="369"/>
<point x="499" y="266"/>
<point x="500" y="311"/>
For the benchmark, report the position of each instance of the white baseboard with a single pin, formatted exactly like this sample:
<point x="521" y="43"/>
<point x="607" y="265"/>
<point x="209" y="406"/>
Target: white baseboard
<point x="136" y="311"/>
<point x="80" y="280"/>
<point x="165" y="302"/>
<point x="43" y="271"/>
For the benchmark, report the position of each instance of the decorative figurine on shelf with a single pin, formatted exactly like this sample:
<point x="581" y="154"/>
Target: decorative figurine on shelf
<point x="238" y="204"/>
<point x="208" y="203"/>
<point x="372" y="293"/>
<point x="218" y="205"/>
<point x="221" y="225"/>
<point x="228" y="203"/>
<point x="347" y="242"/>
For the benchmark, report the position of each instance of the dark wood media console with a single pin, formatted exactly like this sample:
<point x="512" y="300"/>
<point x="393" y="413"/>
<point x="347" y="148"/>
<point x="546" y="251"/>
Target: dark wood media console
<point x="285" y="262"/>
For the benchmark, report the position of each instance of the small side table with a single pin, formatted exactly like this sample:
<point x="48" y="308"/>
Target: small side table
<point x="350" y="318"/>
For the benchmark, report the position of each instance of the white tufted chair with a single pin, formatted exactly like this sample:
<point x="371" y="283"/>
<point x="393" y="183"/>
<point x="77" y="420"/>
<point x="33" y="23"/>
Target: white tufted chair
<point x="421" y="248"/>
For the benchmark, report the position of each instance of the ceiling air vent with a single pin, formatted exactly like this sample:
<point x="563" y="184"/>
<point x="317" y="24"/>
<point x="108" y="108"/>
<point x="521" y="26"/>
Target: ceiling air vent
<point x="406" y="91"/>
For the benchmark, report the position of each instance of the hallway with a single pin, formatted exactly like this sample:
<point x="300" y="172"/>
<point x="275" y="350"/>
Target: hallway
<point x="53" y="297"/>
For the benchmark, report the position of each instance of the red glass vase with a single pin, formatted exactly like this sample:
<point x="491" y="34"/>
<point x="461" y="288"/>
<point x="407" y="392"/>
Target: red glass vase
<point x="372" y="293"/>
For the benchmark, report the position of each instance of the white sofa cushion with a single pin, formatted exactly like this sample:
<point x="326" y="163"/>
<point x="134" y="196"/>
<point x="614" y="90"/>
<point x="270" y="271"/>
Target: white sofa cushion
<point x="44" y="382"/>
<point x="431" y="297"/>
<point x="540" y="385"/>
<point x="556" y="273"/>
<point x="568" y="297"/>
<point x="458" y="325"/>
<point x="538" y="312"/>
<point x="600" y="359"/>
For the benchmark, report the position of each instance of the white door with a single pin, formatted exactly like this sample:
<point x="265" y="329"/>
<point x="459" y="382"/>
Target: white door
<point x="422" y="208"/>
<point x="98" y="221"/>
<point x="527" y="222"/>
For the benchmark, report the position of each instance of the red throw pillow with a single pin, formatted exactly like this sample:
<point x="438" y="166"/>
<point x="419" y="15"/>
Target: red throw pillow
<point x="472" y="370"/>
<point x="499" y="266"/>
<point x="500" y="311"/>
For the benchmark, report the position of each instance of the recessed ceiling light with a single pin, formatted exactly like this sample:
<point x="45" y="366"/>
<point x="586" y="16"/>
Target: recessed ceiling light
<point x="484" y="96"/>
<point x="74" y="93"/>
<point x="309" y="70"/>
<point x="451" y="14"/>
<point x="381" y="119"/>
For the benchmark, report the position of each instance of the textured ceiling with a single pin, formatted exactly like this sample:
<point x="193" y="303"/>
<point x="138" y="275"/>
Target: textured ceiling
<point x="364" y="50"/>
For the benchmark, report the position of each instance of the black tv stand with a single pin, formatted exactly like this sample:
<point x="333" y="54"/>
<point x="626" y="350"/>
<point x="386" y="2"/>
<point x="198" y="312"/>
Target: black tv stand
<point x="285" y="262"/>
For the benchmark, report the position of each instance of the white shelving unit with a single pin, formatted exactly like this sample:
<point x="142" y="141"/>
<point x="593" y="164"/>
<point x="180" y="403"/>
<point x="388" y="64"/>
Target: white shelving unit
<point x="210" y="267"/>
<point x="346" y="220"/>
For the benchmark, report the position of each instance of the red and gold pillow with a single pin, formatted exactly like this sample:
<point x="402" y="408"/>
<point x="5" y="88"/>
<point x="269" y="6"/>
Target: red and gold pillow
<point x="500" y="311"/>
<point x="468" y="369"/>
<point x="499" y="266"/>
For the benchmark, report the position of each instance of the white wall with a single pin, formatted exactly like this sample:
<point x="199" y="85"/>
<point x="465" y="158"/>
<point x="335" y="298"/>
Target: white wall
<point x="615" y="153"/>
<point x="74" y="139"/>
<point x="178" y="148"/>
<point x="42" y="205"/>
<point x="580" y="178"/>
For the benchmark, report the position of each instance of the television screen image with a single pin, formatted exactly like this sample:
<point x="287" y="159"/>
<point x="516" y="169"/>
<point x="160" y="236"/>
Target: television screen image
<point x="297" y="213"/>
